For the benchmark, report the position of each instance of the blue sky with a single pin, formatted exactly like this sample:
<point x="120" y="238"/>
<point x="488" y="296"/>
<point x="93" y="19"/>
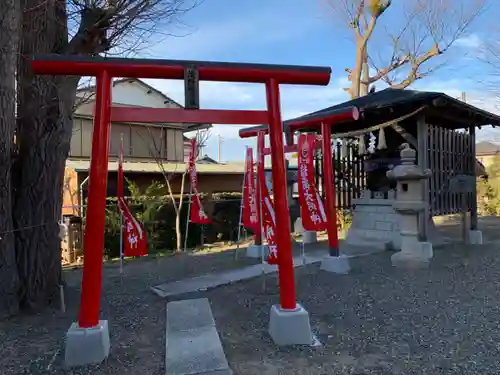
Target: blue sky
<point x="300" y="32"/>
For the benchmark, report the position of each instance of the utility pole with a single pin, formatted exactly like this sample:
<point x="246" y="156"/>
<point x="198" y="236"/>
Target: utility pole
<point x="463" y="97"/>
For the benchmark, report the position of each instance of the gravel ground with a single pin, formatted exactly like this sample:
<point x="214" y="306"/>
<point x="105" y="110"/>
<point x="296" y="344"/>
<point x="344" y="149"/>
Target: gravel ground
<point x="33" y="344"/>
<point x="377" y="320"/>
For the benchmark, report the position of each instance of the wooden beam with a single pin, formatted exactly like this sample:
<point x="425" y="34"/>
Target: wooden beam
<point x="406" y="136"/>
<point x="423" y="162"/>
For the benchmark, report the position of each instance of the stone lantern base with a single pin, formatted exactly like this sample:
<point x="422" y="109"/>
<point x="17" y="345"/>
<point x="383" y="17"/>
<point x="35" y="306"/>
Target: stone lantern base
<point x="418" y="255"/>
<point x="475" y="237"/>
<point x="377" y="227"/>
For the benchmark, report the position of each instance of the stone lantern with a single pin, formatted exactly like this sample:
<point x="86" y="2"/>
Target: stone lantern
<point x="409" y="204"/>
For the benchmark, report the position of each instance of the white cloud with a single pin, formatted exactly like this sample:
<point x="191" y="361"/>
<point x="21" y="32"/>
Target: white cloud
<point x="472" y="41"/>
<point x="268" y="24"/>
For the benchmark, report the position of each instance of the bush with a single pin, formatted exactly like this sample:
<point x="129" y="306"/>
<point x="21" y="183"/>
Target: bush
<point x="488" y="196"/>
<point x="158" y="222"/>
<point x="154" y="209"/>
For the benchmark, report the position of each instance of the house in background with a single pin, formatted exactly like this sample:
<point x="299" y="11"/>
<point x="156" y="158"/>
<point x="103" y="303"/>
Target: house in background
<point x="487" y="152"/>
<point x="144" y="145"/>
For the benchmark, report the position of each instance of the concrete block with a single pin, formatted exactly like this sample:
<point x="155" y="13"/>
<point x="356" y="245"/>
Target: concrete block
<point x="257" y="251"/>
<point x="475" y="237"/>
<point x="367" y="222"/>
<point x="356" y="221"/>
<point x="383" y="225"/>
<point x="87" y="346"/>
<point x="339" y="265"/>
<point x="290" y="327"/>
<point x="309" y="237"/>
<point x="418" y="257"/>
<point x="360" y="208"/>
<point x="375" y="234"/>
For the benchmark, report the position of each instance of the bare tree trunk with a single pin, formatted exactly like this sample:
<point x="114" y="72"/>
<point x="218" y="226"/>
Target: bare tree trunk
<point x="365" y="75"/>
<point x="9" y="279"/>
<point x="44" y="133"/>
<point x="178" y="233"/>
<point x="357" y="70"/>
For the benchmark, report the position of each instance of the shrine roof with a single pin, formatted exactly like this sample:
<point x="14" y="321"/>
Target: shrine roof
<point x="390" y="104"/>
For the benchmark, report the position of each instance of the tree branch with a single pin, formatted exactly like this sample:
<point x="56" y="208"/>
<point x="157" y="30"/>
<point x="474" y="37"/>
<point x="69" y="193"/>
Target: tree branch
<point x="414" y="74"/>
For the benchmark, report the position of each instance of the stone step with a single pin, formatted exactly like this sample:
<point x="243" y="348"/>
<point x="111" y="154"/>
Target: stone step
<point x="209" y="281"/>
<point x="193" y="346"/>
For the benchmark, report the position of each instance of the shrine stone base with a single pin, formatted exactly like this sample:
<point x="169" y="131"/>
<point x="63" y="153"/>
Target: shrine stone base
<point x="86" y="346"/>
<point x="290" y="327"/>
<point x="256" y="251"/>
<point x="339" y="265"/>
<point x="416" y="255"/>
<point x="309" y="237"/>
<point x="376" y="226"/>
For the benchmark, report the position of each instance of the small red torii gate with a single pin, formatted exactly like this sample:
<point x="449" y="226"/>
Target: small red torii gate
<point x="105" y="69"/>
<point x="314" y="123"/>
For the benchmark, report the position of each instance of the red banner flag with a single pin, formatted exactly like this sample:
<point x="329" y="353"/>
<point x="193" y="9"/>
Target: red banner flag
<point x="268" y="216"/>
<point x="196" y="213"/>
<point x="250" y="213"/>
<point x="134" y="235"/>
<point x="311" y="207"/>
<point x="135" y="238"/>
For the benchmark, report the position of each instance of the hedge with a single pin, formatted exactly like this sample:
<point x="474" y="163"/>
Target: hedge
<point x="158" y="217"/>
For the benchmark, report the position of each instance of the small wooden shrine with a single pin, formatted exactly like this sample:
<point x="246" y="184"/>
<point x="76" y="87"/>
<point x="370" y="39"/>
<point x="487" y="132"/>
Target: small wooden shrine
<point x="442" y="131"/>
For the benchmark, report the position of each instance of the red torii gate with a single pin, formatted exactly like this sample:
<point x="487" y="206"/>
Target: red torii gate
<point x="323" y="123"/>
<point x="104" y="69"/>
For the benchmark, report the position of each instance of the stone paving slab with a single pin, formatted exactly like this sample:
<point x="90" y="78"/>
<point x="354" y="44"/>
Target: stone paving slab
<point x="209" y="281"/>
<point x="193" y="346"/>
<point x="189" y="314"/>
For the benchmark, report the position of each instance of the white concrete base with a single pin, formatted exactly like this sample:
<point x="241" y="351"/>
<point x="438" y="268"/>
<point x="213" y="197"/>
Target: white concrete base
<point x="85" y="346"/>
<point x="338" y="264"/>
<point x="418" y="256"/>
<point x="309" y="237"/>
<point x="256" y="251"/>
<point x="290" y="327"/>
<point x="376" y="227"/>
<point x="475" y="237"/>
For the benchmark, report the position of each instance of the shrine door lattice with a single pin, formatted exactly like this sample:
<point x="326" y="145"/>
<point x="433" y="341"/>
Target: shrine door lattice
<point x="350" y="178"/>
<point x="450" y="154"/>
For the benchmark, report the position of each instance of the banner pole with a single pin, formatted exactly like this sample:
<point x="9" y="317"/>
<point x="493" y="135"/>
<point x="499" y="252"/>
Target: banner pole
<point x="188" y="217"/>
<point x="241" y="207"/>
<point x="121" y="242"/>
<point x="121" y="194"/>
<point x="303" y="252"/>
<point x="260" y="164"/>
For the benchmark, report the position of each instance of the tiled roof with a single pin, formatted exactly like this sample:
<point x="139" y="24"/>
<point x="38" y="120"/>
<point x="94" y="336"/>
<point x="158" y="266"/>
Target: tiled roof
<point x="153" y="167"/>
